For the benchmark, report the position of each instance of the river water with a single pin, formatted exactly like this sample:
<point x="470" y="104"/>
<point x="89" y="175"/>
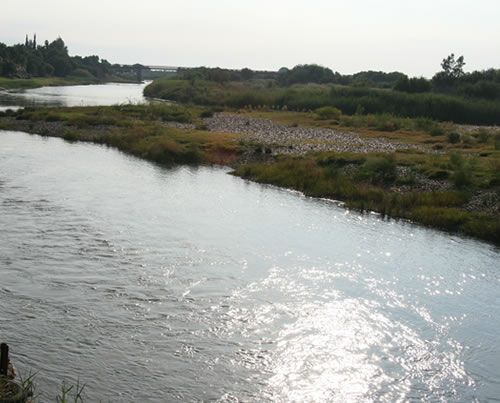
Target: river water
<point x="73" y="95"/>
<point x="188" y="284"/>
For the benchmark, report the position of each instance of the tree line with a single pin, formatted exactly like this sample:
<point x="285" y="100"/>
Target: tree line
<point x="52" y="59"/>
<point x="451" y="80"/>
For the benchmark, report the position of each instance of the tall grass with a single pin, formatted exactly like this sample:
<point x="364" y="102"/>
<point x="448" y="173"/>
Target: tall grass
<point x="365" y="188"/>
<point x="313" y="96"/>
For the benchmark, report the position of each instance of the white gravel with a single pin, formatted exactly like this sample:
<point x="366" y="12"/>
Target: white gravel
<point x="283" y="139"/>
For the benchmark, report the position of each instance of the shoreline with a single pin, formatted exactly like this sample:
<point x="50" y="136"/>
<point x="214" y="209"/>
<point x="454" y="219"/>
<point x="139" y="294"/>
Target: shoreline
<point x="15" y="84"/>
<point x="403" y="192"/>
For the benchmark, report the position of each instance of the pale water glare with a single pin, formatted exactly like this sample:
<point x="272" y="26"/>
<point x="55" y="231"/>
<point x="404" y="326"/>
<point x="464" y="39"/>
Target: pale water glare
<point x="188" y="284"/>
<point x="74" y="95"/>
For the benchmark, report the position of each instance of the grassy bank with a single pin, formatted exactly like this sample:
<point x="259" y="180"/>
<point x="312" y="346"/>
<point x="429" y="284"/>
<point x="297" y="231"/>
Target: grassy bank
<point x="36" y="82"/>
<point x="141" y="130"/>
<point x="349" y="100"/>
<point x="455" y="189"/>
<point x="385" y="184"/>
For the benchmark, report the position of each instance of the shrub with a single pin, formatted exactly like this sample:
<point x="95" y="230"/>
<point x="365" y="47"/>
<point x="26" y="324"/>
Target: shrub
<point x="462" y="176"/>
<point x="208" y="113"/>
<point x="52" y="117"/>
<point x="497" y="142"/>
<point x="453" y="137"/>
<point x="328" y="112"/>
<point x="379" y="170"/>
<point x="436" y="131"/>
<point x="82" y="73"/>
<point x="441" y="217"/>
<point x="468" y="139"/>
<point x="483" y="136"/>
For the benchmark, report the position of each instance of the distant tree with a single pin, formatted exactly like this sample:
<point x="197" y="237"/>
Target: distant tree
<point x="305" y="73"/>
<point x="453" y="68"/>
<point x="403" y="84"/>
<point x="57" y="56"/>
<point x="377" y="78"/>
<point x="452" y="71"/>
<point x="218" y="75"/>
<point x="412" y="85"/>
<point x="246" y="74"/>
<point x="8" y="68"/>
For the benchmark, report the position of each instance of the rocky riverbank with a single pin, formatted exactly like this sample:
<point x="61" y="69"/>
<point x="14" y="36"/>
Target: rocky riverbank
<point x="410" y="181"/>
<point x="282" y="139"/>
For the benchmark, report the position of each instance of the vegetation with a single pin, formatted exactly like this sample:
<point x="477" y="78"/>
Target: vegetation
<point x="28" y="65"/>
<point x="451" y="95"/>
<point x="392" y="184"/>
<point x="450" y="180"/>
<point x="71" y="393"/>
<point x="141" y="130"/>
<point x="349" y="100"/>
<point x="369" y="182"/>
<point x="35" y="82"/>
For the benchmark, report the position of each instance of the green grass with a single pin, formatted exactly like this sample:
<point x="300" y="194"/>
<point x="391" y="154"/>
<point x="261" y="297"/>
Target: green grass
<point x="366" y="185"/>
<point x="349" y="100"/>
<point x="136" y="129"/>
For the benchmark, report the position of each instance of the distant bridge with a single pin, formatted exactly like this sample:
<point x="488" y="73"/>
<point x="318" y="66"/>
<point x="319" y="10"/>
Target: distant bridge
<point x="165" y="69"/>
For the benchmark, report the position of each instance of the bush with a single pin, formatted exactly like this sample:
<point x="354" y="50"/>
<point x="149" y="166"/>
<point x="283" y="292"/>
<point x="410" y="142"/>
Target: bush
<point x="453" y="137"/>
<point x="379" y="170"/>
<point x="82" y="73"/>
<point x="328" y="112"/>
<point x="483" y="136"/>
<point x="462" y="176"/>
<point x="441" y="217"/>
<point x="497" y="142"/>
<point x="208" y="113"/>
<point x="468" y="139"/>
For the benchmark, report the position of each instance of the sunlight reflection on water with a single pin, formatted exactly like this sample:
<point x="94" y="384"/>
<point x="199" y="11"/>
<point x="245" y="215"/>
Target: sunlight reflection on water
<point x="200" y="286"/>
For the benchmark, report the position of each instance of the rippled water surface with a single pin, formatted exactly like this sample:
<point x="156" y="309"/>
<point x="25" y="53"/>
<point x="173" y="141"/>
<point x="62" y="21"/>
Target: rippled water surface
<point x="73" y="95"/>
<point x="155" y="284"/>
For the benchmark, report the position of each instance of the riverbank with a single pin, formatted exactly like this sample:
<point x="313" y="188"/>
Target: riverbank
<point x="37" y="82"/>
<point x="439" y="184"/>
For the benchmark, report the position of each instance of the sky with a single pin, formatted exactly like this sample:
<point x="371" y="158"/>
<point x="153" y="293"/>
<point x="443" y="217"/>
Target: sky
<point x="345" y="35"/>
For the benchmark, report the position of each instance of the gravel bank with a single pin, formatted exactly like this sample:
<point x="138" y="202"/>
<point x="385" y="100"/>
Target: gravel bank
<point x="284" y="139"/>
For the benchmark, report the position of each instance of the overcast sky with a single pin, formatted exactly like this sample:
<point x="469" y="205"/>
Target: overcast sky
<point x="345" y="35"/>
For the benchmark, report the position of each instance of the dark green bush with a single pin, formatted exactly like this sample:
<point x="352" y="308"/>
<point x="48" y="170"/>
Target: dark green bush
<point x="462" y="176"/>
<point x="453" y="137"/>
<point x="208" y="113"/>
<point x="379" y="170"/>
<point x="328" y="112"/>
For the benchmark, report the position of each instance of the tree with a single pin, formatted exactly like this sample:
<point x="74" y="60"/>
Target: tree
<point x="453" y="68"/>
<point x="246" y="74"/>
<point x="403" y="84"/>
<point x="305" y="73"/>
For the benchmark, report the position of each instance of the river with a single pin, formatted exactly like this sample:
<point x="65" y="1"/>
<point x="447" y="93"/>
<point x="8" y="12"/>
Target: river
<point x="188" y="284"/>
<point x="73" y="95"/>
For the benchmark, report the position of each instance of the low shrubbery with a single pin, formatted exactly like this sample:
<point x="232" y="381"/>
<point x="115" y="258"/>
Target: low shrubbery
<point x="366" y="186"/>
<point x="328" y="112"/>
<point x="137" y="129"/>
<point x="348" y="100"/>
